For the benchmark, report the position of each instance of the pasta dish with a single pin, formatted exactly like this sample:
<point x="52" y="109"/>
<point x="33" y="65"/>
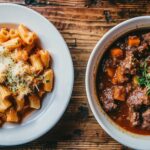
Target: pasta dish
<point x="25" y="73"/>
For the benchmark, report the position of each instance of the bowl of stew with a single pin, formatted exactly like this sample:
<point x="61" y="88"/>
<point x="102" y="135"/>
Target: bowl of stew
<point x="118" y="82"/>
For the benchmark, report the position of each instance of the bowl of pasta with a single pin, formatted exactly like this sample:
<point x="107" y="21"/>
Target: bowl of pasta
<point x="35" y="66"/>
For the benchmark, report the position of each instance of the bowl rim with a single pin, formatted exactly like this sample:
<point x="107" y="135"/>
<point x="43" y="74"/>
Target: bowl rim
<point x="71" y="73"/>
<point x="87" y="79"/>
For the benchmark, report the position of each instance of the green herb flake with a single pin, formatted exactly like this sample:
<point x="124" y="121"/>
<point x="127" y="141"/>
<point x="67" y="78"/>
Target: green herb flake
<point x="47" y="81"/>
<point x="144" y="79"/>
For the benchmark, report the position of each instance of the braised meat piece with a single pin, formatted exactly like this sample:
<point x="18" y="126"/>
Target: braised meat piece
<point x="146" y="37"/>
<point x="146" y="119"/>
<point x="129" y="64"/>
<point x="142" y="47"/>
<point x="107" y="100"/>
<point x="138" y="98"/>
<point x="134" y="117"/>
<point x="128" y="88"/>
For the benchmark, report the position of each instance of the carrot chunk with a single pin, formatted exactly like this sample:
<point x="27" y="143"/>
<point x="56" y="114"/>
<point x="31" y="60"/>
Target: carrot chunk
<point x="116" y="53"/>
<point x="119" y="93"/>
<point x="133" y="41"/>
<point x="110" y="72"/>
<point x="119" y="77"/>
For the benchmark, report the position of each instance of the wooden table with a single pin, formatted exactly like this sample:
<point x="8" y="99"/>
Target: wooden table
<point x="82" y="23"/>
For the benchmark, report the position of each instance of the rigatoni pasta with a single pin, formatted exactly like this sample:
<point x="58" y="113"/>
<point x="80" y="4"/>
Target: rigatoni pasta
<point x="4" y="35"/>
<point x="27" y="36"/>
<point x="48" y="80"/>
<point x="12" y="43"/>
<point x="25" y="73"/>
<point x="36" y="63"/>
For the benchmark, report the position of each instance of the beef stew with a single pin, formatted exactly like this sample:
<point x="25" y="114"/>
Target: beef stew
<point x="123" y="81"/>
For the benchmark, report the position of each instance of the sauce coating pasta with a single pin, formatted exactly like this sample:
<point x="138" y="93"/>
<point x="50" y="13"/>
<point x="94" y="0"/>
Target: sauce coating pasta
<point x="25" y="73"/>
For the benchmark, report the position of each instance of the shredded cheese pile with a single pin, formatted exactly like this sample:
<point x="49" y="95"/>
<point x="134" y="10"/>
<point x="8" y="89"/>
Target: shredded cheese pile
<point x="18" y="76"/>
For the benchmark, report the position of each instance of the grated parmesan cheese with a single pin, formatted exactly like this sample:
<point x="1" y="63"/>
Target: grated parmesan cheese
<point x="18" y="76"/>
<point x="1" y="48"/>
<point x="4" y="62"/>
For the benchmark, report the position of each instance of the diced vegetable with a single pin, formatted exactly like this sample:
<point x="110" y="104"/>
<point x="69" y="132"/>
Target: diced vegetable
<point x="135" y="81"/>
<point x="110" y="72"/>
<point x="119" y="77"/>
<point x="116" y="52"/>
<point x="133" y="41"/>
<point x="114" y="80"/>
<point x="119" y="93"/>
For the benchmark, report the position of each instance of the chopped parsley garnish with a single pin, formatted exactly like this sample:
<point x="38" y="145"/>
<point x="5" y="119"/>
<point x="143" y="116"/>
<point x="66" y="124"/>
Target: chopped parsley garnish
<point x="144" y="79"/>
<point x="47" y="81"/>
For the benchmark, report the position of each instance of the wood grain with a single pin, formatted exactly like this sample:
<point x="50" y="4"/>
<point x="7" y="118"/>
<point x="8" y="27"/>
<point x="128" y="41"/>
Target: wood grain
<point x="82" y="23"/>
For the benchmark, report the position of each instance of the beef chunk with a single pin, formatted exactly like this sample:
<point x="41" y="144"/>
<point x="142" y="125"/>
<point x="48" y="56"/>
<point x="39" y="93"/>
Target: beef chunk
<point x="128" y="88"/>
<point x="138" y="98"/>
<point x="129" y="64"/>
<point x="142" y="47"/>
<point x="132" y="49"/>
<point x="140" y="50"/>
<point x="146" y="119"/>
<point x="146" y="37"/>
<point x="107" y="100"/>
<point x="134" y="117"/>
<point x="111" y="63"/>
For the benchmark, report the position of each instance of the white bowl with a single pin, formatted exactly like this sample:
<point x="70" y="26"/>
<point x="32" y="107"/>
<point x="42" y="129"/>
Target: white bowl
<point x="129" y="139"/>
<point x="55" y="103"/>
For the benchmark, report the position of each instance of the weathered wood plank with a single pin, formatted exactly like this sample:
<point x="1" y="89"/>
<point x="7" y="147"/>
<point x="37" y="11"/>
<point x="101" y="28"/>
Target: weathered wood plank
<point x="74" y="3"/>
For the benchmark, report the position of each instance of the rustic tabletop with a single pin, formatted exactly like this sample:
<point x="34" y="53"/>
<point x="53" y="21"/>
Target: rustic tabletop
<point x="82" y="23"/>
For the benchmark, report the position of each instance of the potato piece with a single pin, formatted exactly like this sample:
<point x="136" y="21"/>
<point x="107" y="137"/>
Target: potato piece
<point x="116" y="53"/>
<point x="48" y="80"/>
<point x="110" y="72"/>
<point x="114" y="80"/>
<point x="119" y="93"/>
<point x="12" y="115"/>
<point x="133" y="41"/>
<point x="135" y="81"/>
<point x="34" y="101"/>
<point x="119" y="77"/>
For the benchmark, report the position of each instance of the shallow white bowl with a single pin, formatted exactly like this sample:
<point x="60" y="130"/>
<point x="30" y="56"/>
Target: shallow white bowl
<point x="55" y="103"/>
<point x="126" y="138"/>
